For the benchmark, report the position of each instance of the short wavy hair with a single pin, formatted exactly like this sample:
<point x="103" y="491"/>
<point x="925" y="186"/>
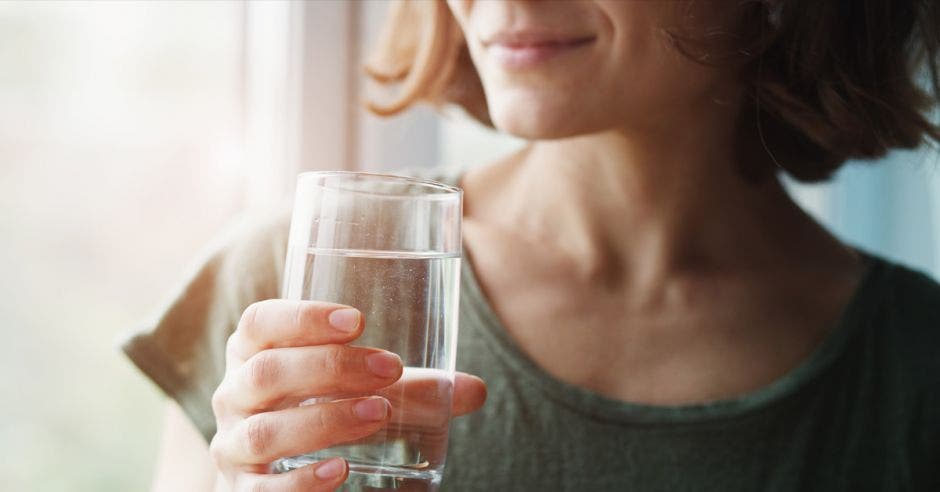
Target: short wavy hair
<point x="825" y="80"/>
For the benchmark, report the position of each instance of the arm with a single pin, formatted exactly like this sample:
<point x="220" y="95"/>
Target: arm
<point x="183" y="462"/>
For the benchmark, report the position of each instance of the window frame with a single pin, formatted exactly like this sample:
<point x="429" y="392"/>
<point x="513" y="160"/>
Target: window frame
<point x="303" y="96"/>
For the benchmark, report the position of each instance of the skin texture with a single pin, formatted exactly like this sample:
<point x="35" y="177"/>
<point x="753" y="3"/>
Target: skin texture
<point x="660" y="274"/>
<point x="628" y="77"/>
<point x="635" y="241"/>
<point x="284" y="352"/>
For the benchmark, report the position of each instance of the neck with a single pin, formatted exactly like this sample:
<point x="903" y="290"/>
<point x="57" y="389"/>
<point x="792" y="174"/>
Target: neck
<point x="646" y="204"/>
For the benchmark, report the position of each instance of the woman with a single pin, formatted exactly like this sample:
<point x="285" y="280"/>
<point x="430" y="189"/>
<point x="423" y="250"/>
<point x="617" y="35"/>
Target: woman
<point x="647" y="306"/>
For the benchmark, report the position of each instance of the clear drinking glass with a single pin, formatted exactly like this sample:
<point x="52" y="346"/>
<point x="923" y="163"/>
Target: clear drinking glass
<point x="389" y="246"/>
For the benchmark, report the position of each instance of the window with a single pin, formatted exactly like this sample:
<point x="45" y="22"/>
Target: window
<point x="120" y="133"/>
<point x="132" y="133"/>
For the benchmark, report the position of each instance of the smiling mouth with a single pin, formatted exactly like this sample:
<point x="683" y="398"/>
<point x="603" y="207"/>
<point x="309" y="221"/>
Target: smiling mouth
<point x="521" y="50"/>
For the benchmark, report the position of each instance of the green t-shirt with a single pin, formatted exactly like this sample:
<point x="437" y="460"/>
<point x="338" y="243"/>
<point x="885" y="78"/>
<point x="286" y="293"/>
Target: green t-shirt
<point x="861" y="413"/>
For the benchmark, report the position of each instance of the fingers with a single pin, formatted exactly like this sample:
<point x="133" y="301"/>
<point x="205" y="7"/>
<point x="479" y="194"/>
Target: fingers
<point x="274" y="376"/>
<point x="281" y="323"/>
<point x="417" y="396"/>
<point x="284" y="352"/>
<point x="264" y="437"/>
<point x="469" y="394"/>
<point x="323" y="476"/>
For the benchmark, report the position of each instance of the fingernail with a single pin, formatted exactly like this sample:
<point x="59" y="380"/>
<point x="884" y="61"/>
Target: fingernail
<point x="373" y="409"/>
<point x="346" y="319"/>
<point x="384" y="364"/>
<point x="330" y="469"/>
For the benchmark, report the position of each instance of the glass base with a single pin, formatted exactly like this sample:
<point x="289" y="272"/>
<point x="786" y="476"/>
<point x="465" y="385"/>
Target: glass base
<point x="372" y="478"/>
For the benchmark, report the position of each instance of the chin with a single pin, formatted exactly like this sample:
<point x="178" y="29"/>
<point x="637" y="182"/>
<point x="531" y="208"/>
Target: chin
<point x="536" y="120"/>
<point x="533" y="131"/>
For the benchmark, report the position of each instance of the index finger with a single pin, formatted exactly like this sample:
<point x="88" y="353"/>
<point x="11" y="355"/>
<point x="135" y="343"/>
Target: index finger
<point x="280" y="323"/>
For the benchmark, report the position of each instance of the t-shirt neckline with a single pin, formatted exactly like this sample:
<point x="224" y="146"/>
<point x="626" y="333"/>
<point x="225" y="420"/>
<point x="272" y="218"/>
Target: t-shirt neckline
<point x="857" y="312"/>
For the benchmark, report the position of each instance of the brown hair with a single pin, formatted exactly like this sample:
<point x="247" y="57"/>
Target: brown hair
<point x="827" y="80"/>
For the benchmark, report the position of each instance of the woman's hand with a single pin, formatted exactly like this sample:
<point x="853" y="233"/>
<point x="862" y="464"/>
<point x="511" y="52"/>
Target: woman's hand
<point x="285" y="352"/>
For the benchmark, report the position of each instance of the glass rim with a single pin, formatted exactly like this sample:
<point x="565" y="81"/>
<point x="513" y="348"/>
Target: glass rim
<point x="445" y="191"/>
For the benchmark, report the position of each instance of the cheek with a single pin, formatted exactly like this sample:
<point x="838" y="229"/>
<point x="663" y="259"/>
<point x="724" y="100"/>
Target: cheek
<point x="582" y="94"/>
<point x="635" y="49"/>
<point x="646" y="63"/>
<point x="631" y="76"/>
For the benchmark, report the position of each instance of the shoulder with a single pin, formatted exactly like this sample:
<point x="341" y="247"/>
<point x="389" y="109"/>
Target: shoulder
<point x="909" y="321"/>
<point x="445" y="174"/>
<point x="182" y="347"/>
<point x="247" y="259"/>
<point x="913" y="303"/>
<point x="257" y="238"/>
<point x="243" y="264"/>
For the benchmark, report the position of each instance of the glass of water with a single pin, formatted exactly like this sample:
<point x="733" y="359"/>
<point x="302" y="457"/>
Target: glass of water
<point x="390" y="247"/>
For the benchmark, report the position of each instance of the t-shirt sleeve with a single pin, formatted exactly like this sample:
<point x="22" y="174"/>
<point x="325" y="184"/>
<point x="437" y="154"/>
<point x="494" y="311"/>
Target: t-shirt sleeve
<point x="183" y="350"/>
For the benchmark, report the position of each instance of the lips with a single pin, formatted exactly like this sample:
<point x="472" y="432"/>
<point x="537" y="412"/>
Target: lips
<point x="527" y="49"/>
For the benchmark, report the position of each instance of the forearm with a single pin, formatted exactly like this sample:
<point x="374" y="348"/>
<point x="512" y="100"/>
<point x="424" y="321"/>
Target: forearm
<point x="183" y="462"/>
